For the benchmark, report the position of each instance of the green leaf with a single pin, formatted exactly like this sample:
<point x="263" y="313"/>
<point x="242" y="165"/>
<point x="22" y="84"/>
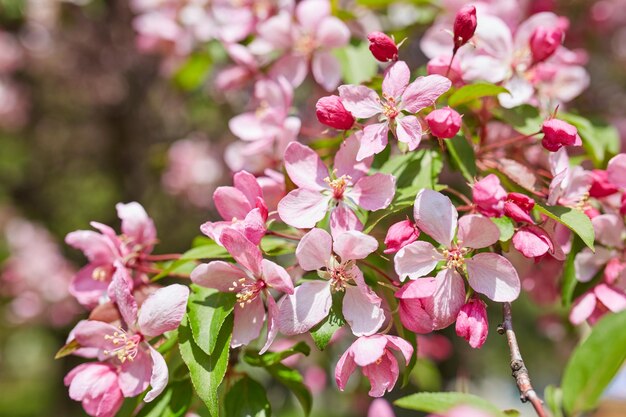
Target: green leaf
<point x="569" y="281"/>
<point x="194" y="71"/>
<point x="293" y="380"/>
<point x="554" y="400"/>
<point x="420" y="168"/>
<point x="357" y="63"/>
<point x="575" y="220"/>
<point x="426" y="376"/>
<point x="471" y="92"/>
<point x="462" y="156"/>
<point x="600" y="141"/>
<point x="276" y="246"/>
<point x="272" y="358"/>
<point x="594" y="363"/>
<point x="68" y="349"/>
<point x="210" y="250"/>
<point x="206" y="371"/>
<point x="207" y="310"/>
<point x="247" y="398"/>
<point x="173" y="402"/>
<point x="441" y="402"/>
<point x="323" y="332"/>
<point x="506" y="227"/>
<point x="525" y="119"/>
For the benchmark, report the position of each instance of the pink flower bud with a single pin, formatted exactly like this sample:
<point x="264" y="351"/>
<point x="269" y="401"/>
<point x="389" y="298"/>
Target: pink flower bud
<point x="464" y="25"/>
<point x="331" y="112"/>
<point x="489" y="196"/>
<point x="472" y="324"/>
<point x="600" y="185"/>
<point x="558" y="133"/>
<point x="544" y="42"/>
<point x="518" y="206"/>
<point x="399" y="235"/>
<point x="382" y="47"/>
<point x="444" y="123"/>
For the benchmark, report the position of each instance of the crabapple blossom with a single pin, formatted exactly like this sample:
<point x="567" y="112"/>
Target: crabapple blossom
<point x="105" y="250"/>
<point x="331" y="112"/>
<point x="518" y="206"/>
<point x="342" y="192"/>
<point x="382" y="47"/>
<point x="374" y="355"/>
<point x="616" y="170"/>
<point x="250" y="279"/>
<point x="398" y="96"/>
<point x="97" y="386"/>
<point x="487" y="273"/>
<point x="464" y="25"/>
<point x="312" y="300"/>
<point x="489" y="196"/>
<point x="597" y="302"/>
<point x="570" y="184"/>
<point x="242" y="207"/>
<point x="399" y="235"/>
<point x="444" y="123"/>
<point x="601" y="186"/>
<point x="544" y="42"/>
<point x="472" y="323"/>
<point x="558" y="133"/>
<point x="126" y="348"/>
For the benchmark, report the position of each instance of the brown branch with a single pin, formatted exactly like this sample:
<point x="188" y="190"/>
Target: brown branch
<point x="282" y="235"/>
<point x="520" y="373"/>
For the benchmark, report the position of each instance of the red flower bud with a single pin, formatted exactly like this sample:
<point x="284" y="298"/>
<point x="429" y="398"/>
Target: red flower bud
<point x="331" y="112"/>
<point x="472" y="324"/>
<point x="518" y="207"/>
<point x="464" y="25"/>
<point x="444" y="123"/>
<point x="399" y="235"/>
<point x="544" y="43"/>
<point x="382" y="47"/>
<point x="558" y="133"/>
<point x="600" y="186"/>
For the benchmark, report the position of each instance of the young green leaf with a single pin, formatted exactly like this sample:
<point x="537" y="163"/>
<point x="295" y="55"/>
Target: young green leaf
<point x="462" y="155"/>
<point x="293" y="380"/>
<point x="247" y="398"/>
<point x="173" y="402"/>
<point x="575" y="220"/>
<point x="323" y="332"/>
<point x="207" y="310"/>
<point x="471" y="92"/>
<point x="440" y="402"/>
<point x="506" y="227"/>
<point x="357" y="63"/>
<point x="272" y="358"/>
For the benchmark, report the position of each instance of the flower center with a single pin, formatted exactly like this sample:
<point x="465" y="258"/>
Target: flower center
<point x="340" y="275"/>
<point x="338" y="185"/>
<point x="390" y="107"/>
<point x="455" y="258"/>
<point x="100" y="273"/>
<point x="127" y="345"/>
<point x="305" y="45"/>
<point x="247" y="290"/>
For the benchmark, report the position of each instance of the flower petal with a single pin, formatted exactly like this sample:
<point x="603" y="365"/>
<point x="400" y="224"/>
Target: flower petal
<point x="326" y="70"/>
<point x="345" y="159"/>
<point x="583" y="308"/>
<point x="309" y="304"/>
<point x="305" y="168"/>
<point x="242" y="250"/>
<point x="277" y="277"/>
<point x="416" y="260"/>
<point x="383" y="375"/>
<point x="587" y="263"/>
<point x="424" y="91"/>
<point x="476" y="232"/>
<point x="248" y="322"/>
<point x="136" y="224"/>
<point x="374" y="192"/>
<point x="345" y="367"/>
<point x="314" y="249"/>
<point x="363" y="316"/>
<point x="122" y="288"/>
<point x="135" y="374"/>
<point x="303" y="208"/>
<point x="231" y="203"/>
<point x="396" y="79"/>
<point x="359" y="100"/>
<point x="343" y="219"/>
<point x="272" y="324"/>
<point x="354" y="245"/>
<point x="435" y="215"/>
<point x="163" y="310"/>
<point x="217" y="274"/>
<point x="409" y="131"/>
<point x="159" y="376"/>
<point x="374" y="140"/>
<point x="493" y="275"/>
<point x="449" y="297"/>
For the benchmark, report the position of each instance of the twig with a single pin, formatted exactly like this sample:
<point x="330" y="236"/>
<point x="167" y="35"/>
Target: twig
<point x="520" y="373"/>
<point x="149" y="270"/>
<point x="506" y="142"/>
<point x="282" y="235"/>
<point x="162" y="257"/>
<point x="380" y="271"/>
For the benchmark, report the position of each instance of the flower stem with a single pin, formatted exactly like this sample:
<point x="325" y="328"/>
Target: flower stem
<point x="282" y="235"/>
<point x="380" y="271"/>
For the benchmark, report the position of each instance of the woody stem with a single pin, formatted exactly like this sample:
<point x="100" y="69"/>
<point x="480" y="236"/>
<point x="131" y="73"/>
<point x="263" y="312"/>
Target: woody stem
<point x="506" y="142"/>
<point x="520" y="373"/>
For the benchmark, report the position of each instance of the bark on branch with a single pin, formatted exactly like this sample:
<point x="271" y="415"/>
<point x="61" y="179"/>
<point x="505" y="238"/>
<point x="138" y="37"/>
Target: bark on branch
<point x="520" y="373"/>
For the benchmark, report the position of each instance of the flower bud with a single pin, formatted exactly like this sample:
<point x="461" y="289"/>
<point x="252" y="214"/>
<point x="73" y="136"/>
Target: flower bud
<point x="558" y="133"/>
<point x="489" y="196"/>
<point x="464" y="25"/>
<point x="544" y="43"/>
<point x="399" y="235"/>
<point x="600" y="185"/>
<point x="382" y="47"/>
<point x="518" y="207"/>
<point x="472" y="324"/>
<point x="331" y="112"/>
<point x="444" y="123"/>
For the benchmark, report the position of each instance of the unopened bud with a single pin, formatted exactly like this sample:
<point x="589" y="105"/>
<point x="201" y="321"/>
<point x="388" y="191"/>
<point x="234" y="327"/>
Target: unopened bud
<point x="558" y="133"/>
<point x="444" y="123"/>
<point x="464" y="25"/>
<point x="544" y="42"/>
<point x="331" y="112"/>
<point x="382" y="47"/>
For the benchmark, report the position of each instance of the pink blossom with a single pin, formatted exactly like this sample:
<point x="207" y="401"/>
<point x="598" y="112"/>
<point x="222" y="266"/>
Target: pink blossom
<point x="126" y="348"/>
<point x="105" y="250"/>
<point x="488" y="273"/>
<point x="250" y="279"/>
<point x="398" y="96"/>
<point x="518" y="206"/>
<point x="616" y="170"/>
<point x="610" y="233"/>
<point x="242" y="207"/>
<point x="570" y="185"/>
<point x="380" y="408"/>
<point x="489" y="196"/>
<point x="399" y="235"/>
<point x="311" y="301"/>
<point x="97" y="386"/>
<point x="308" y="40"/>
<point x="544" y="42"/>
<point x="444" y="123"/>
<point x="374" y="355"/>
<point x="558" y="133"/>
<point x="601" y="186"/>
<point x="532" y="241"/>
<point x="341" y="192"/>
<point x="315" y="379"/>
<point x="382" y="47"/>
<point x="464" y="25"/>
<point x="594" y="304"/>
<point x="331" y="112"/>
<point x="472" y="323"/>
